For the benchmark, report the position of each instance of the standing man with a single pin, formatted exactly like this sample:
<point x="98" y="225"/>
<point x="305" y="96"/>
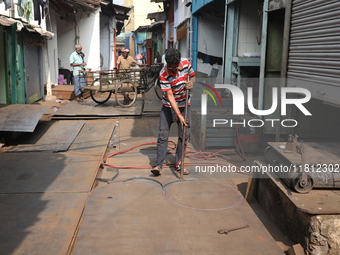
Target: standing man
<point x="78" y="63"/>
<point x="125" y="61"/>
<point x="176" y="77"/>
<point x="158" y="59"/>
<point x="140" y="58"/>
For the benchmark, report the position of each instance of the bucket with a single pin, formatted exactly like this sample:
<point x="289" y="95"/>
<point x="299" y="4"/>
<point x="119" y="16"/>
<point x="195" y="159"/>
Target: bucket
<point x="61" y="79"/>
<point x="248" y="135"/>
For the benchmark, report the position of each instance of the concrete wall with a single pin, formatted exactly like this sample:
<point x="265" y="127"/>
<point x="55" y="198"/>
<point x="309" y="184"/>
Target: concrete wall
<point x="85" y="30"/>
<point x="210" y="42"/>
<point x="182" y="12"/>
<point x="65" y="42"/>
<point x="139" y="12"/>
<point x="249" y="27"/>
<point x="52" y="48"/>
<point x="90" y="37"/>
<point x="182" y="47"/>
<point x="107" y="24"/>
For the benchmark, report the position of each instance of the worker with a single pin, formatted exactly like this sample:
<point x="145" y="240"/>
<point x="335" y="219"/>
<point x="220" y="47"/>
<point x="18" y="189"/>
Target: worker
<point x="176" y="77"/>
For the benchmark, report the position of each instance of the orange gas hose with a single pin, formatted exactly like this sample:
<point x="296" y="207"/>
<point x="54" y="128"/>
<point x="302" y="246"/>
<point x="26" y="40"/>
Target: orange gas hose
<point x="190" y="154"/>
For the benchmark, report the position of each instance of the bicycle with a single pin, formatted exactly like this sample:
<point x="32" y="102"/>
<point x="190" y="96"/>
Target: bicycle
<point x="150" y="78"/>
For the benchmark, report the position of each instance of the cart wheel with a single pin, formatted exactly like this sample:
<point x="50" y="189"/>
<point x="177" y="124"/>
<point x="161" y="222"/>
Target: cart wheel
<point x="303" y="186"/>
<point x="158" y="89"/>
<point x="100" y="97"/>
<point x="126" y="93"/>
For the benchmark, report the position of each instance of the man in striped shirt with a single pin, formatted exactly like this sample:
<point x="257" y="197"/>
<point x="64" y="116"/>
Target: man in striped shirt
<point x="176" y="77"/>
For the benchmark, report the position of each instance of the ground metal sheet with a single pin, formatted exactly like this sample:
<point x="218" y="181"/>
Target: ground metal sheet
<point x="20" y="117"/>
<point x="39" y="223"/>
<point x="90" y="108"/>
<point x="57" y="138"/>
<point x="47" y="172"/>
<point x="93" y="138"/>
<point x="139" y="218"/>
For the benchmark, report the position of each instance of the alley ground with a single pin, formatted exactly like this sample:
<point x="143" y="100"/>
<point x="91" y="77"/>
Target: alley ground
<point x="66" y="203"/>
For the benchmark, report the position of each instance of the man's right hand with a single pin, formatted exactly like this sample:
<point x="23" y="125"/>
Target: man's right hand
<point x="183" y="121"/>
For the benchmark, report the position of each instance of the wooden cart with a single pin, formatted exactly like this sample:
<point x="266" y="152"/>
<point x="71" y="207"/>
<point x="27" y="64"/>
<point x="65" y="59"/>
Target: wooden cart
<point x="102" y="84"/>
<point x="125" y="84"/>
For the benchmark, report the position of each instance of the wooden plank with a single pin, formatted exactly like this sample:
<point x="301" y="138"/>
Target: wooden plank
<point x="67" y="92"/>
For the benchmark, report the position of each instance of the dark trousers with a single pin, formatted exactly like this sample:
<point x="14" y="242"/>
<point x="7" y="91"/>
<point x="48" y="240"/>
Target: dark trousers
<point x="168" y="116"/>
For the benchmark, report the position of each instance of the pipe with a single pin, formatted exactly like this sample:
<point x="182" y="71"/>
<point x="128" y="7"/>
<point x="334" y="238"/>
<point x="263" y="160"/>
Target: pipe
<point x="263" y="53"/>
<point x="224" y="40"/>
<point x="284" y="61"/>
<point x="194" y="41"/>
<point x="114" y="47"/>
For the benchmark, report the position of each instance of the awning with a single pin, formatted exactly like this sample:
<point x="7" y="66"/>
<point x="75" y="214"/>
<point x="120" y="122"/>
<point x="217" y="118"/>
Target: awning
<point x="90" y="4"/>
<point x="39" y="30"/>
<point x="157" y="16"/>
<point x="120" y="12"/>
<point x="141" y="29"/>
<point x="121" y="9"/>
<point x="230" y="1"/>
<point x="155" y="26"/>
<point x="6" y="21"/>
<point x="69" y="6"/>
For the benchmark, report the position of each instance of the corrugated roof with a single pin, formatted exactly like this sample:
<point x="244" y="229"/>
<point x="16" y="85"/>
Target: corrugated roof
<point x="6" y="21"/>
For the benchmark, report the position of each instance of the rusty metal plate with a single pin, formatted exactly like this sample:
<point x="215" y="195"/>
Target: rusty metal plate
<point x="57" y="138"/>
<point x="47" y="172"/>
<point x="20" y="117"/>
<point x="137" y="218"/>
<point x="40" y="223"/>
<point x="204" y="195"/>
<point x="313" y="154"/>
<point x="317" y="201"/>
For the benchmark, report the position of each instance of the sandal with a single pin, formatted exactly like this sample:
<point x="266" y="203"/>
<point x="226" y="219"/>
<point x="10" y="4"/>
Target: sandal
<point x="185" y="171"/>
<point x="156" y="170"/>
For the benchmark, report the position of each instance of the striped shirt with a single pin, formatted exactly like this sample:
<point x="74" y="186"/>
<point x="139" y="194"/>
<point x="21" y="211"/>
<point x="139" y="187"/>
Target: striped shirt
<point x="176" y="83"/>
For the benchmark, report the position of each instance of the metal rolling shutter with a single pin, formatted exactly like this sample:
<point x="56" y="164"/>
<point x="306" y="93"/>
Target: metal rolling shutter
<point x="314" y="48"/>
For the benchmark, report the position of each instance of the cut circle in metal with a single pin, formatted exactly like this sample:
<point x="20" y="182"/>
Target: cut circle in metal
<point x="204" y="195"/>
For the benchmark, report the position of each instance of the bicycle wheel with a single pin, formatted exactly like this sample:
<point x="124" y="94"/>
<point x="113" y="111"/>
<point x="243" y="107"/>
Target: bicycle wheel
<point x="158" y="89"/>
<point x="126" y="93"/>
<point x="99" y="97"/>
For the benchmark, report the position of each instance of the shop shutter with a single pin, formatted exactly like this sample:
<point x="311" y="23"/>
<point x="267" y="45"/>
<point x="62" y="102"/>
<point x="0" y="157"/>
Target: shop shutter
<point x="314" y="47"/>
